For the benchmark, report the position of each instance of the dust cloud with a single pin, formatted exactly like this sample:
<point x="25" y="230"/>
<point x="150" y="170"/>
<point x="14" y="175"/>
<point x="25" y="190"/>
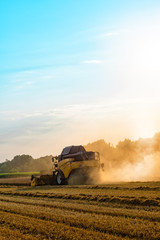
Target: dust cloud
<point x="129" y="160"/>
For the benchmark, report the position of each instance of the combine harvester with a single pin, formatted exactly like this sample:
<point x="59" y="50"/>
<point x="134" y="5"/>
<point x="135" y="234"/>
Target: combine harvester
<point x="73" y="166"/>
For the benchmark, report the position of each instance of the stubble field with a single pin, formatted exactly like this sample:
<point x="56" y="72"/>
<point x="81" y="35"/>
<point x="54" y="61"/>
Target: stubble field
<point x="112" y="211"/>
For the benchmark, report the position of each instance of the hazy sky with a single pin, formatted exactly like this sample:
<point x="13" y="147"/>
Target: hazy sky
<point x="72" y="72"/>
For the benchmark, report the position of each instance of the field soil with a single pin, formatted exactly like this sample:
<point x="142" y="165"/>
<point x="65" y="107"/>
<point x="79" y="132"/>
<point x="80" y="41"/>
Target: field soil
<point x="112" y="211"/>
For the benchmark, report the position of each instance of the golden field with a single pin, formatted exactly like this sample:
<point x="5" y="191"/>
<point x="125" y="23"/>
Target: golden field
<point x="112" y="211"/>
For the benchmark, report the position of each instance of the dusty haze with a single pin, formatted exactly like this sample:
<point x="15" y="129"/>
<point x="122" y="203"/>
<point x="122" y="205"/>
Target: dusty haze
<point x="129" y="160"/>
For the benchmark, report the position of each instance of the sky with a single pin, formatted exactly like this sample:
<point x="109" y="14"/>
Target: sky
<point x="73" y="72"/>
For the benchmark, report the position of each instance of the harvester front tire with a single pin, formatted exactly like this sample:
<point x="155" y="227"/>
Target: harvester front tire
<point x="60" y="179"/>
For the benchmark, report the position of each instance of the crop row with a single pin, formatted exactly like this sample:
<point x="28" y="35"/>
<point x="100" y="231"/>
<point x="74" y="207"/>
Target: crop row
<point x="121" y="226"/>
<point x="98" y="198"/>
<point x="124" y="187"/>
<point x="50" y="230"/>
<point x="14" y="234"/>
<point x="127" y="193"/>
<point x="86" y="208"/>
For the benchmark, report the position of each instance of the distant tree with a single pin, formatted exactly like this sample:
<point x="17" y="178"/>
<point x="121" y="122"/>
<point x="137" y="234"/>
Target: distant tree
<point x="4" y="168"/>
<point x="25" y="163"/>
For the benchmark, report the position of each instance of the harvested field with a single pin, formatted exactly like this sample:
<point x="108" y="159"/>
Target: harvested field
<point x="15" y="181"/>
<point x="113" y="211"/>
<point x="21" y="178"/>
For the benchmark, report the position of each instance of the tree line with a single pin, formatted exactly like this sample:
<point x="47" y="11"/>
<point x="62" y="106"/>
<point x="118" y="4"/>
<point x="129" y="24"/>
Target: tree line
<point x="26" y="163"/>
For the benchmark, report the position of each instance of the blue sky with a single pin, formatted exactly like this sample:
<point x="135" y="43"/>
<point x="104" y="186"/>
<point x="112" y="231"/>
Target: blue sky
<point x="73" y="72"/>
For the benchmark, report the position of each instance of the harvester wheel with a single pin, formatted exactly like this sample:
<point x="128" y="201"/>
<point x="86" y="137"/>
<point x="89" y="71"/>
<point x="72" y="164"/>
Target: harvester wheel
<point x="60" y="179"/>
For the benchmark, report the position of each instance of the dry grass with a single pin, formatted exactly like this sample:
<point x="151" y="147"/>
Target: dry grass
<point x="121" y="211"/>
